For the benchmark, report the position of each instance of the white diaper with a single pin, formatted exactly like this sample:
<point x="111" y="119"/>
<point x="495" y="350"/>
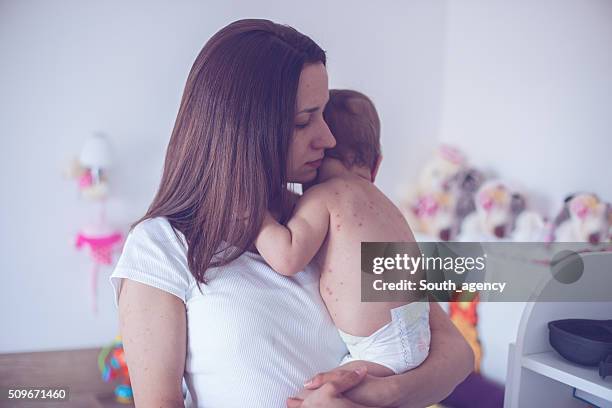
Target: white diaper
<point x="400" y="345"/>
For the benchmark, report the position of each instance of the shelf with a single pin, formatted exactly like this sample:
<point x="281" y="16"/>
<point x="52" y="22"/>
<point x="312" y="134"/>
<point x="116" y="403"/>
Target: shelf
<point x="551" y="365"/>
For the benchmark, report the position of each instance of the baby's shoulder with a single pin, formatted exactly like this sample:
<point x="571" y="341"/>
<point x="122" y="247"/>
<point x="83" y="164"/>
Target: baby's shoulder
<point x="337" y="189"/>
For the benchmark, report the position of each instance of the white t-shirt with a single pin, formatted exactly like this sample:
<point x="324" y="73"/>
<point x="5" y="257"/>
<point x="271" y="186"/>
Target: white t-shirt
<point x="253" y="336"/>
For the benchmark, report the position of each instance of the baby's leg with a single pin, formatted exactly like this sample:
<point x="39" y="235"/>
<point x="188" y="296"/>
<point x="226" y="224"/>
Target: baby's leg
<point x="374" y="369"/>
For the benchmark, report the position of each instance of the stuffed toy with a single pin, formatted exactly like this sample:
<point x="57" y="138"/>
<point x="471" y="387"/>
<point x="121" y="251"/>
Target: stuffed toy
<point x="444" y="195"/>
<point x="531" y="226"/>
<point x="497" y="209"/>
<point x="435" y="212"/>
<point x="584" y="218"/>
<point x="441" y="169"/>
<point x="463" y="313"/>
<point x="464" y="187"/>
<point x="113" y="366"/>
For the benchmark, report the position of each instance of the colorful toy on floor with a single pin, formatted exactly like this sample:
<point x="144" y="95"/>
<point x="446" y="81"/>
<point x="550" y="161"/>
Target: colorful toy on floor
<point x="112" y="365"/>
<point x="464" y="314"/>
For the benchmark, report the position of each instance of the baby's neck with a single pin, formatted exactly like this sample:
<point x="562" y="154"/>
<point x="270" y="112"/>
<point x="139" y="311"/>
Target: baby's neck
<point x="331" y="168"/>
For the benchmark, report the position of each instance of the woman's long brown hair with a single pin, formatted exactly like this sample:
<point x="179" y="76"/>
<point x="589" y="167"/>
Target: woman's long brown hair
<point x="227" y="156"/>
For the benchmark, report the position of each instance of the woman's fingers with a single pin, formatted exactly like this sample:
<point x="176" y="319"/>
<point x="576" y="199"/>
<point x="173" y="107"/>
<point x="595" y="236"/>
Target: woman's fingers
<point x="337" y="381"/>
<point x="329" y="394"/>
<point x="294" y="403"/>
<point x="344" y="381"/>
<point x="327" y="388"/>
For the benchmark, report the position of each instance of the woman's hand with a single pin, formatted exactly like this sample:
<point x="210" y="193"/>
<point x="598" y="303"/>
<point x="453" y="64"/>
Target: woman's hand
<point x="372" y="391"/>
<point x="450" y="360"/>
<point x="327" y="389"/>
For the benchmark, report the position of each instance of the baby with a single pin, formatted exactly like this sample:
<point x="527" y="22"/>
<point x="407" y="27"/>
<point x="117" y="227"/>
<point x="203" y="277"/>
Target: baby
<point x="331" y="219"/>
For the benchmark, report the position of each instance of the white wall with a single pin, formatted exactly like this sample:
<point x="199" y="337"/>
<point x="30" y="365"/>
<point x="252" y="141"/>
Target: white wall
<point x="528" y="95"/>
<point x="69" y="68"/>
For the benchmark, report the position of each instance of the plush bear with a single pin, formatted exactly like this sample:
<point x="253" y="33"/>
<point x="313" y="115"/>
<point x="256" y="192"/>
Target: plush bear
<point x="440" y="171"/>
<point x="443" y="195"/>
<point x="531" y="226"/>
<point x="464" y="187"/>
<point x="435" y="215"/>
<point x="584" y="218"/>
<point x="496" y="211"/>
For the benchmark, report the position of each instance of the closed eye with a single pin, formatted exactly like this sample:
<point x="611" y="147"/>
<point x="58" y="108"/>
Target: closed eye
<point x="302" y="120"/>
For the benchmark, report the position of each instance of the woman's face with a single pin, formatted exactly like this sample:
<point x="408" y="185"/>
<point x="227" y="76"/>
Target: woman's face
<point x="311" y="135"/>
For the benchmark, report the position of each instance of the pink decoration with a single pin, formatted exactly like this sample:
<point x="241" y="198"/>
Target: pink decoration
<point x="85" y="180"/>
<point x="90" y="171"/>
<point x="101" y="248"/>
<point x="427" y="206"/>
<point x="486" y="203"/>
<point x="452" y="154"/>
<point x="101" y="252"/>
<point x="580" y="209"/>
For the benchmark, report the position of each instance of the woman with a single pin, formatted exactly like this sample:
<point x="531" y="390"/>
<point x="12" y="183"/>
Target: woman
<point x="195" y="299"/>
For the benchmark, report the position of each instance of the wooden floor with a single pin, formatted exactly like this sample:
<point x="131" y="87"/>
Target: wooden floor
<point x="75" y="369"/>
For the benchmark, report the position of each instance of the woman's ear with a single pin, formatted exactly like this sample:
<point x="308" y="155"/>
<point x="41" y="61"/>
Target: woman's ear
<point x="376" y="167"/>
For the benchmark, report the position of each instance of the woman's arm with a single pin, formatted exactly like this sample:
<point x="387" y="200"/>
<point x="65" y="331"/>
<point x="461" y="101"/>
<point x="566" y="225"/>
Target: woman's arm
<point x="449" y="362"/>
<point x="153" y="329"/>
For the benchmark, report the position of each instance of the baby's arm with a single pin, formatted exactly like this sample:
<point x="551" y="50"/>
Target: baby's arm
<point x="288" y="249"/>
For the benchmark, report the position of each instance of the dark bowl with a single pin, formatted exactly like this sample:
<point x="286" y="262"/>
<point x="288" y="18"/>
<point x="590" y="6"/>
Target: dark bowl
<point x="582" y="341"/>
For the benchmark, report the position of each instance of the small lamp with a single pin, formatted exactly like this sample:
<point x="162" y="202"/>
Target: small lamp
<point x="96" y="155"/>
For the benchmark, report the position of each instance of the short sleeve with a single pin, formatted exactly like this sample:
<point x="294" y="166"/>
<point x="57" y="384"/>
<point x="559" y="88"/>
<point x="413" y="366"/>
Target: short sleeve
<point x="153" y="255"/>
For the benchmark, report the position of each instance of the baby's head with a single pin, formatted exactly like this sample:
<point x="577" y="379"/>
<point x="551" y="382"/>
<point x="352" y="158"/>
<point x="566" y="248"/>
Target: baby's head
<point x="352" y="119"/>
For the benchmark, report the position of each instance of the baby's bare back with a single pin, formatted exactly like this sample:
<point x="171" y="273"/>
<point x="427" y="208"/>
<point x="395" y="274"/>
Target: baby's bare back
<point x="359" y="212"/>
